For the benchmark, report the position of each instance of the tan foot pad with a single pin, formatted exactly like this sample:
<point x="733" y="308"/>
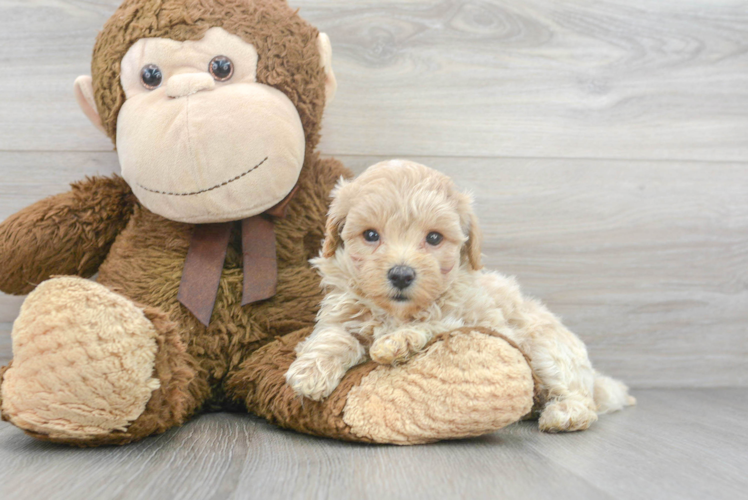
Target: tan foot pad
<point x="83" y="361"/>
<point x="467" y="385"/>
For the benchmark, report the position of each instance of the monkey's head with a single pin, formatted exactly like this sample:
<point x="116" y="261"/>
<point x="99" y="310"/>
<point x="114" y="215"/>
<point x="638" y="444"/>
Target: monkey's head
<point x="213" y="105"/>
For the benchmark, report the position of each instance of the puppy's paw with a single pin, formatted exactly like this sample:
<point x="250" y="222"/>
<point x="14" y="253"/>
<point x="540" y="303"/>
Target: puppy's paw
<point x="312" y="377"/>
<point x="393" y="348"/>
<point x="566" y="415"/>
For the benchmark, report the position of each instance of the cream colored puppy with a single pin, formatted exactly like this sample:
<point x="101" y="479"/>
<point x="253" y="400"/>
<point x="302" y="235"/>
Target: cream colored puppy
<point x="401" y="262"/>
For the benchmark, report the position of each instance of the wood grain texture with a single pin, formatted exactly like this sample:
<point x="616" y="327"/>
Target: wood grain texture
<point x="676" y="444"/>
<point x="646" y="261"/>
<point x="538" y="78"/>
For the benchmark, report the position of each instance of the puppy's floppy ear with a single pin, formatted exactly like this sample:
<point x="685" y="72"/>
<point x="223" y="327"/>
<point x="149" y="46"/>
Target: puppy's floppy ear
<point x="332" y="236"/>
<point x="471" y="251"/>
<point x="335" y="219"/>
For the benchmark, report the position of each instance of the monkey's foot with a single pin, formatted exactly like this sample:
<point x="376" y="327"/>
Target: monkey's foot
<point x="465" y="384"/>
<point x="83" y="362"/>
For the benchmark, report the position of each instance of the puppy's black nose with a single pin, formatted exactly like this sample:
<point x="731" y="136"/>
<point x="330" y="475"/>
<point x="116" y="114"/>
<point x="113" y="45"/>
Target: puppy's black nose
<point x="401" y="276"/>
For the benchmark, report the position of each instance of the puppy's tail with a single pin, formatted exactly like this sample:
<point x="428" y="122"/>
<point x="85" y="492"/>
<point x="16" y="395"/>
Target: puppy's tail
<point x="611" y="394"/>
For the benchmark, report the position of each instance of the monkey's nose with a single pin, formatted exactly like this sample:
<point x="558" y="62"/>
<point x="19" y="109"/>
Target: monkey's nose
<point x="188" y="84"/>
<point x="401" y="277"/>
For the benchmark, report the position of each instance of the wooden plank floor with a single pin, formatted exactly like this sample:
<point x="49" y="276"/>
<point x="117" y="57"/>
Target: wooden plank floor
<point x="680" y="444"/>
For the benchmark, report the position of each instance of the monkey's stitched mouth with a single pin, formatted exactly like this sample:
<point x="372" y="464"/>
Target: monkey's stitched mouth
<point x="400" y="298"/>
<point x="193" y="193"/>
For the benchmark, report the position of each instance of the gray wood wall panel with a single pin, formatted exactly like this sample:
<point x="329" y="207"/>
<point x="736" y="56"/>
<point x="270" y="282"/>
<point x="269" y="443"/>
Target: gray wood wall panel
<point x="606" y="143"/>
<point x="610" y="79"/>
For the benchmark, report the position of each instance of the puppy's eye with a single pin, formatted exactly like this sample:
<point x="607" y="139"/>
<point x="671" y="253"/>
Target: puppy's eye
<point x="221" y="68"/>
<point x="151" y="76"/>
<point x="434" y="238"/>
<point x="371" y="236"/>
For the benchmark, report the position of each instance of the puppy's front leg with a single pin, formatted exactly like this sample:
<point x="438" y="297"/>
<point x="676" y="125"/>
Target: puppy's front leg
<point x="400" y="344"/>
<point x="322" y="360"/>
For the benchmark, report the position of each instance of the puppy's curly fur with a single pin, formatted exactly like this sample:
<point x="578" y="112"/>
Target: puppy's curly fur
<point x="401" y="263"/>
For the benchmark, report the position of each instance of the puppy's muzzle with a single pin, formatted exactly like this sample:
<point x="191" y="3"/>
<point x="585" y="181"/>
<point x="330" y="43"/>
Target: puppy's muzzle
<point x="401" y="277"/>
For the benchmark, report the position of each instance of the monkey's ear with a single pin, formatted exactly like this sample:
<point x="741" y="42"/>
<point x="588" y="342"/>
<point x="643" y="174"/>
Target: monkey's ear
<point x="85" y="96"/>
<point x="325" y="52"/>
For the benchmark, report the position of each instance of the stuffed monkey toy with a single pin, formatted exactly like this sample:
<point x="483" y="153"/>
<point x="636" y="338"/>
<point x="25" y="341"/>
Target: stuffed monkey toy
<point x="202" y="247"/>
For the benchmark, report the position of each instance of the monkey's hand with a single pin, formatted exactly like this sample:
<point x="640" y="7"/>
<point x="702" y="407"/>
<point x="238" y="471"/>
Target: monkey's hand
<point x="69" y="233"/>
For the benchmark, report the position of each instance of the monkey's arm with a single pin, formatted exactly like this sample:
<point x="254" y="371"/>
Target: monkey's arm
<point x="69" y="233"/>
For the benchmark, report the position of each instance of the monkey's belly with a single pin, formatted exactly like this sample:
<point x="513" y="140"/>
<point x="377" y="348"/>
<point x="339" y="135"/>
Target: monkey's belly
<point x="145" y="264"/>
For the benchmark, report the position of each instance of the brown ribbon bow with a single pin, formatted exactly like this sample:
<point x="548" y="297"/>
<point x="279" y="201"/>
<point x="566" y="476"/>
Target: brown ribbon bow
<point x="205" y="258"/>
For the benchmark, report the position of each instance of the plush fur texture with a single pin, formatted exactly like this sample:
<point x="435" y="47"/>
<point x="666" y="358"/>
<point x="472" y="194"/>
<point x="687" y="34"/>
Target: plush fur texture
<point x="70" y="233"/>
<point x="471" y="368"/>
<point x="100" y="226"/>
<point x="104" y="341"/>
<point x="404" y="204"/>
<point x="239" y="361"/>
<point x="478" y="381"/>
<point x="199" y="151"/>
<point x="290" y="60"/>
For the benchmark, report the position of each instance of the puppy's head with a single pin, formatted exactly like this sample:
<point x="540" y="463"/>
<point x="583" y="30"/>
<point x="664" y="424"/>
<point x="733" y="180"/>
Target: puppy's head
<point x="399" y="234"/>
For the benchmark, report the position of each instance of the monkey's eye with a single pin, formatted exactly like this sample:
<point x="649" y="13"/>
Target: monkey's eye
<point x="221" y="68"/>
<point x="371" y="236"/>
<point x="151" y="76"/>
<point x="434" y="238"/>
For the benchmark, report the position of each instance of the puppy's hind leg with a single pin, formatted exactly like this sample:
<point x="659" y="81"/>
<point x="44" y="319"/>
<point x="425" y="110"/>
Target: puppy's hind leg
<point x="572" y="392"/>
<point x="566" y="389"/>
<point x="611" y="394"/>
<point x="559" y="359"/>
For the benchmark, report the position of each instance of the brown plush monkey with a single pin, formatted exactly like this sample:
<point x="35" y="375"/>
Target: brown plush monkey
<point x="215" y="108"/>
